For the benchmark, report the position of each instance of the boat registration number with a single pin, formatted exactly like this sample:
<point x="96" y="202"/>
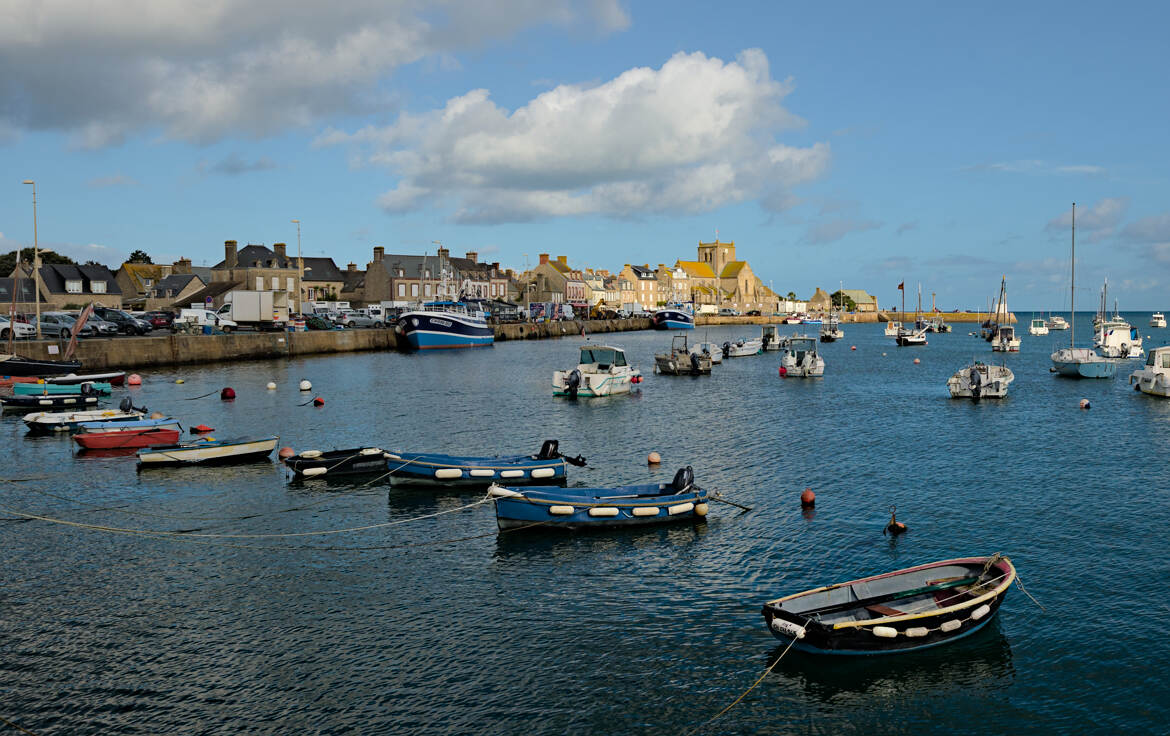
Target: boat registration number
<point x="440" y="322"/>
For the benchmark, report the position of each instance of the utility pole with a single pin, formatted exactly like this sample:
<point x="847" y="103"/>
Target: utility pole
<point x="300" y="268"/>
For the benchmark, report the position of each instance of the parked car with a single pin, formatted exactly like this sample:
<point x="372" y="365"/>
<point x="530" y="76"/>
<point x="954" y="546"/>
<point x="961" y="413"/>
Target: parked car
<point x="125" y="323"/>
<point x="23" y="329"/>
<point x="753" y="313"/>
<point x="357" y="319"/>
<point x="101" y="327"/>
<point x="60" y="324"/>
<point x="728" y="312"/>
<point x="159" y="320"/>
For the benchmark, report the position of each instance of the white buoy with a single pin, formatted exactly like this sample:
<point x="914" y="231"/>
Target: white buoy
<point x="271" y="386"/>
<point x="306" y="386"/>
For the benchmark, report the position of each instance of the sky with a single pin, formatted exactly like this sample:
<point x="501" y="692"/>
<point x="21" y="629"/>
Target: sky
<point x="862" y="144"/>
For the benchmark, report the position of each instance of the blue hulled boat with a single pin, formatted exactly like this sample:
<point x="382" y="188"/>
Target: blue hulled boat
<point x="673" y="318"/>
<point x="439" y="325"/>
<point x="57" y="389"/>
<point x="546" y="466"/>
<point x="588" y="508"/>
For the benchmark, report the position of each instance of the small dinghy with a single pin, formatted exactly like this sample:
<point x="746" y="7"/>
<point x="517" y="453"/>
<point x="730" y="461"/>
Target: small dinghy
<point x="58" y="389"/>
<point x="546" y="466"/>
<point x="980" y="381"/>
<point x="114" y="378"/>
<point x="899" y="611"/>
<point x="588" y="508"/>
<point x="43" y="402"/>
<point x="356" y="461"/>
<point x="121" y="438"/>
<point x="67" y="421"/>
<point x="208" y="451"/>
<point x="155" y="422"/>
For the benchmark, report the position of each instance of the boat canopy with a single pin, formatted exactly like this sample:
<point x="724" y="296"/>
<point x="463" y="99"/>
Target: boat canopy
<point x="1159" y="358"/>
<point x="603" y="356"/>
<point x="801" y="344"/>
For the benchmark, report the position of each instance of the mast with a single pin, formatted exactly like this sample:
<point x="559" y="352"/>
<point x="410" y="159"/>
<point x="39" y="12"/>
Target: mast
<point x="12" y="311"/>
<point x="1072" y="289"/>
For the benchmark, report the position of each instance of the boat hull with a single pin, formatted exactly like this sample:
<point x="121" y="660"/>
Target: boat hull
<point x="116" y="440"/>
<point x="673" y="319"/>
<point x="20" y="366"/>
<point x="597" y="508"/>
<point x="57" y="389"/>
<point x="1074" y="366"/>
<point x="444" y="330"/>
<point x="224" y="452"/>
<point x="116" y="378"/>
<point x="414" y="468"/>
<point x="356" y="461"/>
<point x="43" y="403"/>
<point x="57" y="422"/>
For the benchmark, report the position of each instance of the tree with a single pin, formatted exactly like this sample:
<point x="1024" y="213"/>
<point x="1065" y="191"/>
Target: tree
<point x="95" y="263"/>
<point x="843" y="300"/>
<point x="8" y="260"/>
<point x="139" y="256"/>
<point x="792" y="295"/>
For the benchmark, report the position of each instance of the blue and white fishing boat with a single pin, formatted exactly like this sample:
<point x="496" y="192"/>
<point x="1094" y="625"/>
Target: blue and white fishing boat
<point x="674" y="318"/>
<point x="441" y="325"/>
<point x="546" y="466"/>
<point x="1072" y="361"/>
<point x="54" y="389"/>
<point x="208" y="451"/>
<point x="589" y="508"/>
<point x="900" y="611"/>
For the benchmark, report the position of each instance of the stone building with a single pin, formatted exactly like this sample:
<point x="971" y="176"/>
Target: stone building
<point x="719" y="279"/>
<point x="67" y="287"/>
<point x="258" y="268"/>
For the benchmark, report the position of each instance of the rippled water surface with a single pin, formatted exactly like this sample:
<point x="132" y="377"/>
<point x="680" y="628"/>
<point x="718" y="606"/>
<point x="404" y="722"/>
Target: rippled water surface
<point x="441" y="625"/>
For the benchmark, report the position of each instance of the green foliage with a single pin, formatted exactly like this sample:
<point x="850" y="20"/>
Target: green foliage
<point x="8" y="260"/>
<point x="791" y="296"/>
<point x="139" y="256"/>
<point x="842" y="300"/>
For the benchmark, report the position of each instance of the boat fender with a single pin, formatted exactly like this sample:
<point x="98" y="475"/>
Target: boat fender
<point x="787" y="628"/>
<point x="603" y="511"/>
<point x="561" y="510"/>
<point x="701" y="509"/>
<point x="949" y="626"/>
<point x="481" y="473"/>
<point x="370" y="451"/>
<point x="980" y="612"/>
<point x="543" y="473"/>
<point x="885" y="632"/>
<point x="500" y="492"/>
<point x="309" y="454"/>
<point x="680" y="508"/>
<point x="310" y="472"/>
<point x="647" y="511"/>
<point x="917" y="632"/>
<point x="391" y="456"/>
<point x="448" y="473"/>
<point x="511" y="473"/>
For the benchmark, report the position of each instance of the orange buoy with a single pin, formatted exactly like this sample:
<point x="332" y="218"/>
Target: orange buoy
<point x="852" y="347"/>
<point x="318" y="401"/>
<point x="134" y="380"/>
<point x="200" y="429"/>
<point x="917" y="361"/>
<point x="286" y="452"/>
<point x="653" y="458"/>
<point x="808" y="499"/>
<point x="895" y="527"/>
<point x="1084" y="403"/>
<point x="228" y="394"/>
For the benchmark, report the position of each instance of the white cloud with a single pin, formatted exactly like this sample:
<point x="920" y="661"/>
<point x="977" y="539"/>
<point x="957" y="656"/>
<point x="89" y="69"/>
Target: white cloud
<point x="1036" y="166"/>
<point x="101" y="70"/>
<point x="1152" y="229"/>
<point x="694" y="135"/>
<point x="1097" y="221"/>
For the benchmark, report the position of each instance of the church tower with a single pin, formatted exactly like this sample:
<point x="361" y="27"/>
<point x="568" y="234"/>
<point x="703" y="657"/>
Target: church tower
<point x="716" y="254"/>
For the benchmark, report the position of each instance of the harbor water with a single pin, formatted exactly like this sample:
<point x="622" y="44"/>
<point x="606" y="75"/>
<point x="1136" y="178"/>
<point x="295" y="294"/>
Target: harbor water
<point x="374" y="609"/>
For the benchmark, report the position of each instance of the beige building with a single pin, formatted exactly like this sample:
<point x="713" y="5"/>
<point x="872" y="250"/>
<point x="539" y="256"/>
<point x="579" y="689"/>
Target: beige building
<point x="717" y="278"/>
<point x="258" y="268"/>
<point x="66" y="287"/>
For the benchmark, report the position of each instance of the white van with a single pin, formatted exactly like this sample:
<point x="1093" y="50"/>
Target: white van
<point x="205" y="317"/>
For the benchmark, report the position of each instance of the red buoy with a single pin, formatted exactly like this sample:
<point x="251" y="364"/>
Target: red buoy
<point x="783" y="371"/>
<point x="318" y="401"/>
<point x="201" y="428"/>
<point x="852" y="347"/>
<point x="134" y="380"/>
<point x="808" y="499"/>
<point x="228" y="394"/>
<point x="286" y="452"/>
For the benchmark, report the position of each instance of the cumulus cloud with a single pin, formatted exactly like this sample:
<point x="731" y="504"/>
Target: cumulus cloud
<point x="1097" y="221"/>
<point x="694" y="135"/>
<point x="827" y="232"/>
<point x="101" y="70"/>
<point x="1153" y="229"/>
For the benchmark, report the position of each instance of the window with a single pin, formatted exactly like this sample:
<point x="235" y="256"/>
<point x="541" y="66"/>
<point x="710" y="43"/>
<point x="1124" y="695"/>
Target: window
<point x="428" y="287"/>
<point x="275" y="283"/>
<point x="312" y="293"/>
<point x="259" y="283"/>
<point x="414" y="289"/>
<point x="97" y="287"/>
<point x="73" y="286"/>
<point x="289" y="282"/>
<point x="402" y="290"/>
<point x="147" y="283"/>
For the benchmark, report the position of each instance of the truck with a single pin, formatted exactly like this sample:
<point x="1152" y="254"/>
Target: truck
<point x="263" y="310"/>
<point x="190" y="319"/>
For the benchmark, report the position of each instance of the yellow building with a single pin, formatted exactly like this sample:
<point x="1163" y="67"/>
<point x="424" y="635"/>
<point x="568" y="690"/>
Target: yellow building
<point x="719" y="279"/>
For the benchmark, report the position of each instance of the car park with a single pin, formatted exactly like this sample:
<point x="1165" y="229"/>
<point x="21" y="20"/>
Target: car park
<point x="123" y="322"/>
<point x="60" y="324"/>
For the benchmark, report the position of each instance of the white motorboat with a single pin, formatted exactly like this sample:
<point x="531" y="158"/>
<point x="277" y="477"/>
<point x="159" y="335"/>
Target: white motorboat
<point x="1005" y="340"/>
<point x="892" y="328"/>
<point x="601" y="371"/>
<point x="1118" y="339"/>
<point x="711" y="350"/>
<point x="980" y="381"/>
<point x="907" y="337"/>
<point x="1056" y="322"/>
<point x="1154" y="379"/>
<point x="64" y="421"/>
<point x="1038" y="327"/>
<point x="1157" y="319"/>
<point x="1072" y="361"/>
<point x="742" y="348"/>
<point x="770" y="337"/>
<point x="831" y="329"/>
<point x="800" y="358"/>
<point x="681" y="360"/>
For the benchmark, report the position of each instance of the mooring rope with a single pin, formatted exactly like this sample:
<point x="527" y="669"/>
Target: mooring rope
<point x="17" y="726"/>
<point x="743" y="695"/>
<point x="201" y="396"/>
<point x="1025" y="592"/>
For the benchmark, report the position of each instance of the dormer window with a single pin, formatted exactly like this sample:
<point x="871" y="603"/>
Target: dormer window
<point x="97" y="287"/>
<point x="73" y="286"/>
<point x="147" y="283"/>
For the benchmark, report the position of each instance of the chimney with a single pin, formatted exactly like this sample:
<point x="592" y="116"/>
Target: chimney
<point x="279" y="249"/>
<point x="473" y="256"/>
<point x="229" y="254"/>
<point x="563" y="260"/>
<point x="496" y="266"/>
<point x="351" y="268"/>
<point x="543" y="258"/>
<point x="444" y="253"/>
<point x="379" y="253"/>
<point x="183" y="265"/>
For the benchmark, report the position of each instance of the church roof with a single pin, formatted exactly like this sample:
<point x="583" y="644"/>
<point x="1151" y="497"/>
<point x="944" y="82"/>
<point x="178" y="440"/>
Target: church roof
<point x="732" y="269"/>
<point x="697" y="269"/>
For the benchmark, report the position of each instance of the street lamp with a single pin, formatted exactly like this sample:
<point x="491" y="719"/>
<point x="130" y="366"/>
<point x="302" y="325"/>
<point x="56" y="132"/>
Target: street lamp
<point x="300" y="267"/>
<point x="36" y="261"/>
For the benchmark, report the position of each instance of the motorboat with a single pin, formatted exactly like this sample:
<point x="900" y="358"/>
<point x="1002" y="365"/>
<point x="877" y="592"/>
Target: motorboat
<point x="801" y="360"/>
<point x="831" y="330"/>
<point x="45" y="402"/>
<point x="1005" y="340"/>
<point x="980" y="381"/>
<point x="893" y="327"/>
<point x="208" y="451"/>
<point x="58" y="389"/>
<point x="681" y="360"/>
<point x="941" y="325"/>
<point x="1037" y="328"/>
<point x="901" y="611"/>
<point x="67" y="421"/>
<point x="770" y="337"/>
<point x="602" y="370"/>
<point x="673" y="318"/>
<point x="1118" y="339"/>
<point x="591" y="508"/>
<point x="711" y="350"/>
<point x="1157" y="319"/>
<point x="428" y="468"/>
<point x="910" y="338"/>
<point x="446" y="324"/>
<point x="355" y="461"/>
<point x="793" y="319"/>
<point x="742" y="348"/>
<point x="1056" y="322"/>
<point x="122" y="438"/>
<point x="1154" y="378"/>
<point x="17" y="365"/>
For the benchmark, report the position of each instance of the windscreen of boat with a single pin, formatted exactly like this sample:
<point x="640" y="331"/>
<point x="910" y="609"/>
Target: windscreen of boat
<point x="604" y="357"/>
<point x="803" y="345"/>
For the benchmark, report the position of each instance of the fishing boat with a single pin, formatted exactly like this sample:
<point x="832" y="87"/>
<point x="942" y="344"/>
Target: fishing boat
<point x="446" y="324"/>
<point x="354" y="461"/>
<point x="673" y="318"/>
<point x="1157" y="319"/>
<point x="893" y="327"/>
<point x="742" y="348"/>
<point x="941" y="325"/>
<point x="208" y="451"/>
<point x="114" y="378"/>
<point x="711" y="350"/>
<point x="801" y="360"/>
<point x="901" y="611"/>
<point x="906" y="336"/>
<point x="1072" y="361"/>
<point x="59" y="389"/>
<point x="17" y="365"/>
<point x="831" y="329"/>
<point x="770" y="337"/>
<point x="44" y="402"/>
<point x="1119" y="340"/>
<point x="1037" y="327"/>
<point x="117" y="439"/>
<point x="602" y="370"/>
<point x="546" y="466"/>
<point x="681" y="360"/>
<point x="1056" y="322"/>
<point x="980" y="381"/>
<point x="1154" y="378"/>
<point x="1005" y="340"/>
<point x="592" y="508"/>
<point x="67" y="421"/>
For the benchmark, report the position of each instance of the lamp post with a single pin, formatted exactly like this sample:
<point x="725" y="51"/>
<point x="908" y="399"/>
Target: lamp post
<point x="300" y="268"/>
<point x="36" y="261"/>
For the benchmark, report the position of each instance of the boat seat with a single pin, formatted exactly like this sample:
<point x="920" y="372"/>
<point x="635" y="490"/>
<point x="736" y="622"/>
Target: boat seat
<point x="884" y="610"/>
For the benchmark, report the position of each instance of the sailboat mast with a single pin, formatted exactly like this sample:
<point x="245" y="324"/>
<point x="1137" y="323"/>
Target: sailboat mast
<point x="1072" y="289"/>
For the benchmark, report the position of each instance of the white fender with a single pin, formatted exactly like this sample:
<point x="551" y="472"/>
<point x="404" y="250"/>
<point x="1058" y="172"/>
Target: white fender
<point x="681" y="508"/>
<point x="390" y="456"/>
<point x="370" y="451"/>
<point x="501" y="492"/>
<point x="310" y="472"/>
<point x="787" y="628"/>
<point x="980" y="612"/>
<point x="560" y="510"/>
<point x="885" y="632"/>
<point x="46" y="401"/>
<point x="311" y="453"/>
<point x="701" y="509"/>
<point x="480" y="473"/>
<point x="917" y="632"/>
<point x="647" y="511"/>
<point x="511" y="473"/>
<point x="949" y="626"/>
<point x="448" y="473"/>
<point x="603" y="511"/>
<point x="543" y="473"/>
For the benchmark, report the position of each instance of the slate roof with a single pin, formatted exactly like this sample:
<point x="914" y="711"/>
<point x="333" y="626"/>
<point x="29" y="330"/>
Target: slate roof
<point x="643" y="272"/>
<point x="320" y="269"/>
<point x="697" y="269"/>
<point x="175" y="283"/>
<point x="138" y="272"/>
<point x="27" y="294"/>
<point x="258" y="256"/>
<point x="54" y="276"/>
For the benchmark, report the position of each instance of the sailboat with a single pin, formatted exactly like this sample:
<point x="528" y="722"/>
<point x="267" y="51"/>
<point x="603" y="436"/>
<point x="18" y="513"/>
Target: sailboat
<point x="1072" y="361"/>
<point x="907" y="337"/>
<point x="1004" y="338"/>
<point x="12" y="364"/>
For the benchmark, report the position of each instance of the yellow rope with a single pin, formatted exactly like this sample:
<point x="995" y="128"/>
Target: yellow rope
<point x="17" y="726"/>
<point x="734" y="703"/>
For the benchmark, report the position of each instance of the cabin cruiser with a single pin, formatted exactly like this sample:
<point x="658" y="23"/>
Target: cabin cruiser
<point x="908" y="338"/>
<point x="602" y="370"/>
<point x="1037" y="328"/>
<point x="1005" y="340"/>
<point x="681" y="360"/>
<point x="831" y="330"/>
<point x="711" y="350"/>
<point x="1157" y="319"/>
<point x="770" y="337"/>
<point x="1056" y="322"/>
<point x="742" y="348"/>
<point x="1117" y="339"/>
<point x="892" y="328"/>
<point x="801" y="360"/>
<point x="980" y="381"/>
<point x="1154" y="379"/>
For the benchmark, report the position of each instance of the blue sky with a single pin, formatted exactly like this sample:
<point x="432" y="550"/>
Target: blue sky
<point x="866" y="143"/>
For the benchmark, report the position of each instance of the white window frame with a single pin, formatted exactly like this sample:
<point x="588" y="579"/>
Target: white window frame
<point x="402" y="290"/>
<point x="414" y="289"/>
<point x="73" y="286"/>
<point x="276" y="283"/>
<point x="97" y="287"/>
<point x="259" y="283"/>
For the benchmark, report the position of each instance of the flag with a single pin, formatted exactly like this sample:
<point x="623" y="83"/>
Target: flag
<point x="902" y="286"/>
<point x="77" y="327"/>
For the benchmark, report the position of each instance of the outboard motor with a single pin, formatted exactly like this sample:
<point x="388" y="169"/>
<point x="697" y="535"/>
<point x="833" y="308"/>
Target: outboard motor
<point x="127" y="405"/>
<point x="548" y="450"/>
<point x="726" y="349"/>
<point x="683" y="479"/>
<point x="87" y="389"/>
<point x="976" y="382"/>
<point x="573" y="382"/>
<point x="695" y="366"/>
